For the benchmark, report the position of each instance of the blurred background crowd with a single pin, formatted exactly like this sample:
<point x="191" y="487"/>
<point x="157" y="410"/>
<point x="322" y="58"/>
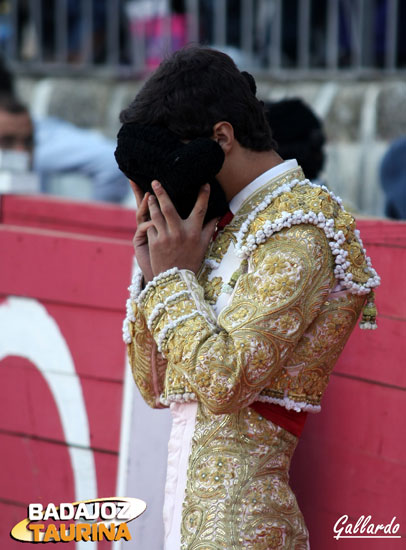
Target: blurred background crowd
<point x="331" y="73"/>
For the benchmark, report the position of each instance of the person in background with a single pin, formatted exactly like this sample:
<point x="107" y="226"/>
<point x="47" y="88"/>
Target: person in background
<point x="393" y="179"/>
<point x="16" y="128"/>
<point x="61" y="147"/>
<point x="16" y="148"/>
<point x="58" y="147"/>
<point x="299" y="134"/>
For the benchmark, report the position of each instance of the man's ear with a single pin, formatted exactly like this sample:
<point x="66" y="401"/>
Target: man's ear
<point x="223" y="133"/>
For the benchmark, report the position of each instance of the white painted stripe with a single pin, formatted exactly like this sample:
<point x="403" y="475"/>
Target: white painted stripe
<point x="125" y="433"/>
<point x="29" y="331"/>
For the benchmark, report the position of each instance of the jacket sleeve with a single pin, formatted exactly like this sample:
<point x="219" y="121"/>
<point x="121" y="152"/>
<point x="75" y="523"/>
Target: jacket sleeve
<point x="229" y="362"/>
<point x="148" y="366"/>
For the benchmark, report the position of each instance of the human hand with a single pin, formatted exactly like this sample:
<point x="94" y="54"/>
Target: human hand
<point x="174" y="242"/>
<point x="140" y="240"/>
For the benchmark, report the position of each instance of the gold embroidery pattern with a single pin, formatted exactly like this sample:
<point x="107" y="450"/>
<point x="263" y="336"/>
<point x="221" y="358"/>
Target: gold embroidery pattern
<point x="238" y="494"/>
<point x="141" y="352"/>
<point x="315" y="199"/>
<point x="167" y="288"/>
<point x="219" y="247"/>
<point x="289" y="276"/>
<point x="213" y="289"/>
<point x="256" y="198"/>
<point x="203" y="278"/>
<point x="306" y="375"/>
<point x="271" y="320"/>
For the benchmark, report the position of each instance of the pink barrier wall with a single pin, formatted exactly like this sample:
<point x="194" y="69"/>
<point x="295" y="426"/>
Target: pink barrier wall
<point x="63" y="286"/>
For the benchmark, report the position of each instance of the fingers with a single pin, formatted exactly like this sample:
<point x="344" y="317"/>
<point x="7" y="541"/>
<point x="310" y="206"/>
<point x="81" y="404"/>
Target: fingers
<point x="142" y="214"/>
<point x="156" y="215"/>
<point x="140" y="236"/>
<point x="137" y="192"/>
<point x="167" y="209"/>
<point x="152" y="233"/>
<point x="200" y="208"/>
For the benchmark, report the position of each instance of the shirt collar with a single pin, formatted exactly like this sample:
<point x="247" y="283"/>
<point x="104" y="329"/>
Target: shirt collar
<point x="237" y="201"/>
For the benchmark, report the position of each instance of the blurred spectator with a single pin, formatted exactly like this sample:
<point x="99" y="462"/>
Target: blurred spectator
<point x="393" y="179"/>
<point x="61" y="147"/>
<point x="160" y="24"/>
<point x="16" y="146"/>
<point x="299" y="134"/>
<point x="16" y="135"/>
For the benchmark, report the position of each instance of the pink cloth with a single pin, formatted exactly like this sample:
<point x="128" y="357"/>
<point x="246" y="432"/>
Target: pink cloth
<point x="183" y="424"/>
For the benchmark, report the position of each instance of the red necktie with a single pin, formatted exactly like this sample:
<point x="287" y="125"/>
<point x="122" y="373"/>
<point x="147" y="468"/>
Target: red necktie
<point x="223" y="221"/>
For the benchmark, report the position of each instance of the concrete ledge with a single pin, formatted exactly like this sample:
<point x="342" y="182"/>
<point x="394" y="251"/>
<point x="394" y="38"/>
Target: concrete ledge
<point x="361" y="119"/>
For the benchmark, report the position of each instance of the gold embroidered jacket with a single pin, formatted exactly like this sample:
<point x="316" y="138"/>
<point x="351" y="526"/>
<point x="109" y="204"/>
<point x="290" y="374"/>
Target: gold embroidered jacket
<point x="269" y="312"/>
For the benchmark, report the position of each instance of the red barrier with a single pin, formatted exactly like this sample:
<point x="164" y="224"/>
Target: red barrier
<point x="63" y="288"/>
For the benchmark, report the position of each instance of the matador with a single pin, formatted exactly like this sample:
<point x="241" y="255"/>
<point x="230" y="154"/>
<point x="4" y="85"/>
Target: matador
<point x="238" y="332"/>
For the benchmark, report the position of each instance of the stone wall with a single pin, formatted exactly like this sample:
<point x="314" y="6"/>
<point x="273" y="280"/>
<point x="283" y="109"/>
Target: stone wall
<point x="361" y="119"/>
